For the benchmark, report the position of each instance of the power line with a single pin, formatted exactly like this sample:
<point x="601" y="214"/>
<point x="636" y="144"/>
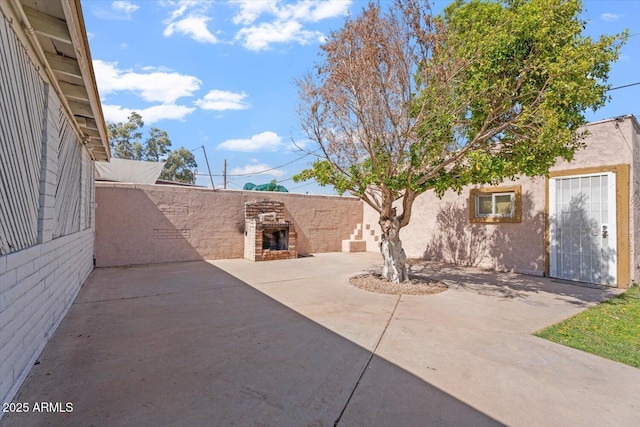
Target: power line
<point x="273" y="168"/>
<point x="265" y="170"/>
<point x="303" y="185"/>
<point x="623" y="86"/>
<point x="231" y="183"/>
<point x="313" y="152"/>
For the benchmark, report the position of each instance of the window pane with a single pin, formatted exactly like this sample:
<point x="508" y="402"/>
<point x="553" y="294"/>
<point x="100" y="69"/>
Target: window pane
<point x="503" y="205"/>
<point x="484" y="205"/>
<point x="566" y="196"/>
<point x="595" y="188"/>
<point x="575" y="188"/>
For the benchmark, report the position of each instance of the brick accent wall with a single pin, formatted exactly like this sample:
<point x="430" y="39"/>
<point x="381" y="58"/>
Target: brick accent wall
<point x="254" y="208"/>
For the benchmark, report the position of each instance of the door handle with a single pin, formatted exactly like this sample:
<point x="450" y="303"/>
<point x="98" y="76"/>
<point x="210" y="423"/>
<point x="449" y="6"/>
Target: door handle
<point x="605" y="232"/>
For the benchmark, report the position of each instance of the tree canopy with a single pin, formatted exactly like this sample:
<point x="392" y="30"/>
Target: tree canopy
<point x="157" y="145"/>
<point x="404" y="101"/>
<point x="180" y="166"/>
<point x="125" y="140"/>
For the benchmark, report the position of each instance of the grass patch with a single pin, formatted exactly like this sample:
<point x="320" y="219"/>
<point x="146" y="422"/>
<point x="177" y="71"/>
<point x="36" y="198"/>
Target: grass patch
<point x="610" y="329"/>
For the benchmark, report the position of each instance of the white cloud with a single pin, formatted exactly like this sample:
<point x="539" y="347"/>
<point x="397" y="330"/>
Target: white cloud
<point x="180" y="7"/>
<point x="313" y="11"/>
<point x="117" y="113"/>
<point x="221" y="100"/>
<point x="262" y="22"/>
<point x="265" y="141"/>
<point x="124" y="6"/>
<point x="165" y="111"/>
<point x="156" y="85"/>
<point x="118" y="10"/>
<point x="284" y="21"/>
<point x="329" y="9"/>
<point x="189" y="18"/>
<point x="260" y="37"/>
<point x="250" y="10"/>
<point x="194" y="26"/>
<point x="303" y="10"/>
<point x="257" y="169"/>
<point x="609" y="17"/>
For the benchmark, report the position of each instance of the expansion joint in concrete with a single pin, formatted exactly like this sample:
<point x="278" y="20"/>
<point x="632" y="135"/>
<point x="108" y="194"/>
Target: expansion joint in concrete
<point x="366" y="366"/>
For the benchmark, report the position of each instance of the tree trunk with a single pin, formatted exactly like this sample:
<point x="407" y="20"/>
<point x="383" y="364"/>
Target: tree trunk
<point x="395" y="260"/>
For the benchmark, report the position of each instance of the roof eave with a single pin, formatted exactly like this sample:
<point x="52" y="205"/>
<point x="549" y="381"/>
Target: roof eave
<point x="75" y="23"/>
<point x="80" y="101"/>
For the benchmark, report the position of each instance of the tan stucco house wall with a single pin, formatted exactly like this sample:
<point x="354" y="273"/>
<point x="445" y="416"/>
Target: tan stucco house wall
<point x="441" y="228"/>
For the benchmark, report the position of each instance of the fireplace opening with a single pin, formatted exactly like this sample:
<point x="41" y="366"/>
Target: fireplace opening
<point x="275" y="240"/>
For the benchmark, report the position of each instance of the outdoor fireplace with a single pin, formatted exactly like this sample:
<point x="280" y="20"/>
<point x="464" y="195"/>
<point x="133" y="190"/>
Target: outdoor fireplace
<point x="275" y="240"/>
<point x="267" y="234"/>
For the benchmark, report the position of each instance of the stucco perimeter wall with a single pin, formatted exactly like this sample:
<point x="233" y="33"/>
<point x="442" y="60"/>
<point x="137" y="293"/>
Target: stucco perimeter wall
<point x="143" y="224"/>
<point x="440" y="229"/>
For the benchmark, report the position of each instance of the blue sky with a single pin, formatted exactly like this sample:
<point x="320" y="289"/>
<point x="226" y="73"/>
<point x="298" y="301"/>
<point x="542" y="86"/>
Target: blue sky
<point x="220" y="74"/>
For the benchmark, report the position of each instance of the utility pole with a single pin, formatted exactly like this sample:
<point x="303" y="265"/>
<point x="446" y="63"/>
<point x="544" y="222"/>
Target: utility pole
<point x="224" y="175"/>
<point x="208" y="168"/>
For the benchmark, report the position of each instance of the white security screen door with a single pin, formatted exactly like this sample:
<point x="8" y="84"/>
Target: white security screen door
<point x="582" y="232"/>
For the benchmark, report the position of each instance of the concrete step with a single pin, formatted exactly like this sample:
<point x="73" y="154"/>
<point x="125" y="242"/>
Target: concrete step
<point x="361" y="232"/>
<point x="354" y="246"/>
<point x="356" y="236"/>
<point x="357" y="233"/>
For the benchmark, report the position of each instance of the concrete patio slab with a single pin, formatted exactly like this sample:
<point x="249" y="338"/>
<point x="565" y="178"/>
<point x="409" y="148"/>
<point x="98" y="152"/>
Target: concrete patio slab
<point x="290" y="343"/>
<point x="475" y="343"/>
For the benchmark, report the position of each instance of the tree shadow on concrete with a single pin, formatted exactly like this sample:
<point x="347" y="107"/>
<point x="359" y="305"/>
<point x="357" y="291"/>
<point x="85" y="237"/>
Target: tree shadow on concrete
<point x="510" y="285"/>
<point x="189" y="344"/>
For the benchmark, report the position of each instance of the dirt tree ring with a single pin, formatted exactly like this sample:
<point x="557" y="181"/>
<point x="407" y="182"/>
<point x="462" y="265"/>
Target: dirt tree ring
<point x="374" y="282"/>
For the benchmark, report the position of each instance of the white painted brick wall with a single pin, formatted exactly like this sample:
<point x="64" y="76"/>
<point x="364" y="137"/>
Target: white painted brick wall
<point x="39" y="284"/>
<point x="34" y="297"/>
